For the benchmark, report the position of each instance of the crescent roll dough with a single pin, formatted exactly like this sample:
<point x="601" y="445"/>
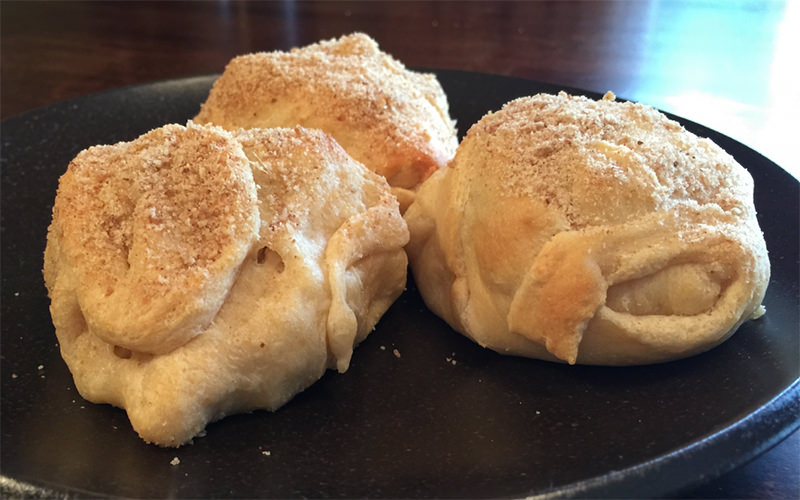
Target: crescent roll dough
<point x="394" y="121"/>
<point x="595" y="232"/>
<point x="194" y="273"/>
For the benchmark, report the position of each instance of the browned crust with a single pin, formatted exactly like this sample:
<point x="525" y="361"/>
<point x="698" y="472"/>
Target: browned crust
<point x="394" y="121"/>
<point x="583" y="199"/>
<point x="320" y="263"/>
<point x="155" y="229"/>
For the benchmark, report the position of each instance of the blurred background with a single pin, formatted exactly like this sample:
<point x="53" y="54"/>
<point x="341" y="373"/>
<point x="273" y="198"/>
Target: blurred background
<point x="729" y="64"/>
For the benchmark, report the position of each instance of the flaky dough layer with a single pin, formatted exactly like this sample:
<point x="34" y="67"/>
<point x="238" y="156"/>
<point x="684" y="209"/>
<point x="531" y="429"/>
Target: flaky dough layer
<point x="595" y="232"/>
<point x="194" y="273"/>
<point x="393" y="120"/>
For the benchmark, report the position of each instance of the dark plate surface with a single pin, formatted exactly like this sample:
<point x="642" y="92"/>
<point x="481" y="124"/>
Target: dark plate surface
<point x="419" y="425"/>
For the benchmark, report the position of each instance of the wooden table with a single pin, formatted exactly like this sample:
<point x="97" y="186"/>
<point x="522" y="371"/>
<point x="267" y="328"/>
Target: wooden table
<point x="729" y="65"/>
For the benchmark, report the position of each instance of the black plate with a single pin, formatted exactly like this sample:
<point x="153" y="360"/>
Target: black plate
<point x="419" y="425"/>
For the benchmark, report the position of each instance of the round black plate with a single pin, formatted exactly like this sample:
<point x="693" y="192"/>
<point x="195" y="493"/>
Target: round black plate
<point x="445" y="419"/>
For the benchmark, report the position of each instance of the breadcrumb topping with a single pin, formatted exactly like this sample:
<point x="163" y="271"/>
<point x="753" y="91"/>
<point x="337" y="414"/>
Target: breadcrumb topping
<point x="578" y="154"/>
<point x="394" y="121"/>
<point x="148" y="223"/>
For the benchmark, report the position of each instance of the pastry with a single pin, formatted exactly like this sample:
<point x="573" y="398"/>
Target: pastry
<point x="194" y="273"/>
<point x="393" y="120"/>
<point x="595" y="232"/>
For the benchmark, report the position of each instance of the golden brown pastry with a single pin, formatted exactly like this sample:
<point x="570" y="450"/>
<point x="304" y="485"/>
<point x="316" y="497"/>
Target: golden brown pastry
<point x="394" y="121"/>
<point x="194" y="273"/>
<point x="595" y="232"/>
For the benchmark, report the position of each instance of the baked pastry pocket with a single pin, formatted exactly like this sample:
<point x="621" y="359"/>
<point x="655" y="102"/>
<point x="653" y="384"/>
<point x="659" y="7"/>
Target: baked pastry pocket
<point x="654" y="290"/>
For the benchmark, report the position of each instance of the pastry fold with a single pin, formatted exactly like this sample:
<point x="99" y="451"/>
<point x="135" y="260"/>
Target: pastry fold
<point x="194" y="273"/>
<point x="596" y="232"/>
